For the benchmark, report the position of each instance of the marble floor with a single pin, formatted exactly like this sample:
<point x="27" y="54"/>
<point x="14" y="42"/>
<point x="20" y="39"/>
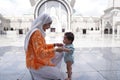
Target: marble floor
<point x="91" y="62"/>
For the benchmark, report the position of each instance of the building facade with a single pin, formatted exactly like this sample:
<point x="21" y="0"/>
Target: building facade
<point x="64" y="18"/>
<point x="21" y="24"/>
<point x="111" y="18"/>
<point x="4" y="24"/>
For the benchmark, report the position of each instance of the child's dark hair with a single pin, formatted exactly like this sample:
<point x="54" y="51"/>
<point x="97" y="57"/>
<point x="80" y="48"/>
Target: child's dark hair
<point x="70" y="36"/>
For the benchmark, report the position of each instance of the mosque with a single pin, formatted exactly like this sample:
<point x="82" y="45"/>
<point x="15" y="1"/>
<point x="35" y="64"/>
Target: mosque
<point x="65" y="19"/>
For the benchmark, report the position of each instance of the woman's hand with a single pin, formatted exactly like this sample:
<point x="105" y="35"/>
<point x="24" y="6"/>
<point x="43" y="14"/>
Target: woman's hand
<point x="58" y="44"/>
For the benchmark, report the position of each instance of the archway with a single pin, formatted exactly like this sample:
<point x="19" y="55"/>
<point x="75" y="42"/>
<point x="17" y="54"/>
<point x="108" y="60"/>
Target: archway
<point x="60" y="11"/>
<point x="108" y="28"/>
<point x="106" y="31"/>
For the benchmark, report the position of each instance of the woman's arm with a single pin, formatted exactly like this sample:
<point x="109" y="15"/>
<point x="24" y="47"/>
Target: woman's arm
<point x="50" y="46"/>
<point x="39" y="46"/>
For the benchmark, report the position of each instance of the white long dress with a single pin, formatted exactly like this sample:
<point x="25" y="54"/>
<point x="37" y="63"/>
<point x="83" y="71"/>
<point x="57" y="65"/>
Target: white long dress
<point x="49" y="72"/>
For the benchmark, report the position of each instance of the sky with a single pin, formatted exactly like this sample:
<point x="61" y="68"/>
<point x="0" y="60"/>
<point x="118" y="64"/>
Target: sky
<point x="14" y="7"/>
<point x="91" y="7"/>
<point x="83" y="7"/>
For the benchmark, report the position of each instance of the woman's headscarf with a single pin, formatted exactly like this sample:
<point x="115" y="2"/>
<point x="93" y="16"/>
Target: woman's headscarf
<point x="37" y="25"/>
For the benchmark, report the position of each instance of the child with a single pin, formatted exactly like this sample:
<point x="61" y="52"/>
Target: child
<point x="68" y="57"/>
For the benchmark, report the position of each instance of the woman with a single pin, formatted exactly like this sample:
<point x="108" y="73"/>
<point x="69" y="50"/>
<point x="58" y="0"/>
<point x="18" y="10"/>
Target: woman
<point x="41" y="58"/>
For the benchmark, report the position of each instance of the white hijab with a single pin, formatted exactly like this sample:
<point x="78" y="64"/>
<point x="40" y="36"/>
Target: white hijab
<point x="37" y="25"/>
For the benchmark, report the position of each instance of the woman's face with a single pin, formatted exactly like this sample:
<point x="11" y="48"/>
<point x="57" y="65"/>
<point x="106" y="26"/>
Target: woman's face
<point x="46" y="26"/>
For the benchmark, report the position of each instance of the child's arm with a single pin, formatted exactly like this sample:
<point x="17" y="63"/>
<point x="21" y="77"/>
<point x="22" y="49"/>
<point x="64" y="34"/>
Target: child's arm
<point x="66" y="50"/>
<point x="69" y="50"/>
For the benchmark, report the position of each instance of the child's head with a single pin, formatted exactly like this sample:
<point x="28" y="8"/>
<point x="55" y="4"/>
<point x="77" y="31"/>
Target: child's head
<point x="68" y="38"/>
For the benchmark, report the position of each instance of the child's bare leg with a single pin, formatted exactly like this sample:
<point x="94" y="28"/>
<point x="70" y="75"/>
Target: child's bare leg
<point x="69" y="70"/>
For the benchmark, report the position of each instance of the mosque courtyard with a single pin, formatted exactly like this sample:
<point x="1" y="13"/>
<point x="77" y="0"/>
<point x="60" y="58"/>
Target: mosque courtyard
<point x="97" y="57"/>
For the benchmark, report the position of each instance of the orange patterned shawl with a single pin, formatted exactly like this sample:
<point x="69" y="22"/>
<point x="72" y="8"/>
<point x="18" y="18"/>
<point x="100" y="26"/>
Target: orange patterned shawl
<point x="39" y="53"/>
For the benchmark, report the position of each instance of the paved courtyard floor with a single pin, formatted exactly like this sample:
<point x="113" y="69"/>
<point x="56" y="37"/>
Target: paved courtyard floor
<point x="92" y="61"/>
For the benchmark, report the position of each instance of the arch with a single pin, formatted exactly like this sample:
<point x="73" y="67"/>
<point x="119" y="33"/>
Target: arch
<point x="41" y="2"/>
<point x="64" y="3"/>
<point x="106" y="31"/>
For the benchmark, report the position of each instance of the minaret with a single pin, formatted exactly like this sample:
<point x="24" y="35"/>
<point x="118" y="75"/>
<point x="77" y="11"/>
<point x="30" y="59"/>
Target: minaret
<point x="72" y="3"/>
<point x="33" y="2"/>
<point x="113" y="3"/>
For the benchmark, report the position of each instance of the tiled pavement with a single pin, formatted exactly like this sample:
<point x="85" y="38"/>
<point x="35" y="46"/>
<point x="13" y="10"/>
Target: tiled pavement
<point x="96" y="58"/>
<point x="95" y="63"/>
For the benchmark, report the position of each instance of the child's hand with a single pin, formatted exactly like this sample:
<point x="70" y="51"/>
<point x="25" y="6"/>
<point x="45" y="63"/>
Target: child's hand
<point x="61" y="49"/>
<point x="66" y="49"/>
